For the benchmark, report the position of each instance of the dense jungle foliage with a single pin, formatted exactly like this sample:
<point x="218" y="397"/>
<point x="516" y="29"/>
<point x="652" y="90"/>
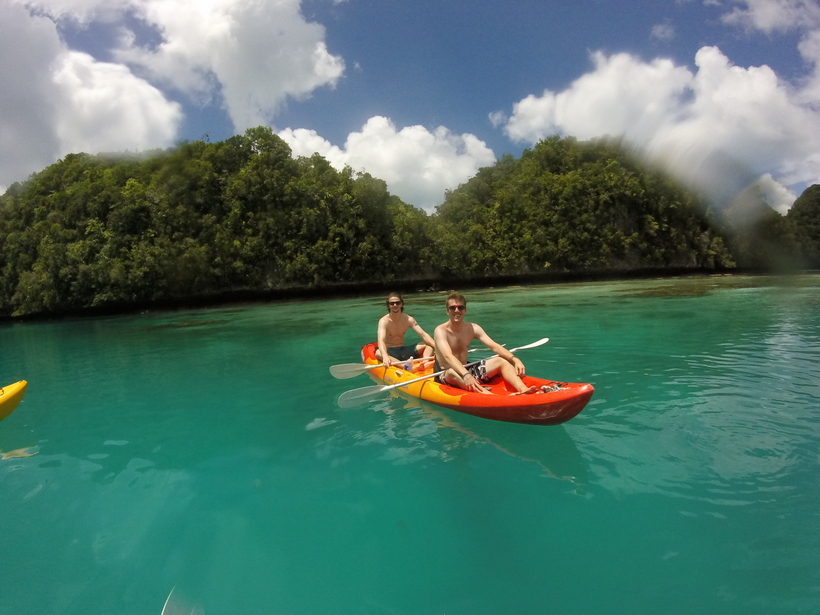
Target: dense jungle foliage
<point x="204" y="219"/>
<point x="566" y="205"/>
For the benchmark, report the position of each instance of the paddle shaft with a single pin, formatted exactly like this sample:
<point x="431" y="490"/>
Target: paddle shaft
<point x="359" y="395"/>
<point x="343" y="371"/>
<point x="401" y="384"/>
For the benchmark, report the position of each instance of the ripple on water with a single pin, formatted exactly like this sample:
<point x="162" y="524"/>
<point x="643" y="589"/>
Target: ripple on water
<point x="728" y="429"/>
<point x="214" y="450"/>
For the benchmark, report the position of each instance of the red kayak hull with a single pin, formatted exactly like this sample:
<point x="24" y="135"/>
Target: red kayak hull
<point x="563" y="401"/>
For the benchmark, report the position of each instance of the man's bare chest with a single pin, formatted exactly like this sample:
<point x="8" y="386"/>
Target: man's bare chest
<point x="397" y="327"/>
<point x="459" y="342"/>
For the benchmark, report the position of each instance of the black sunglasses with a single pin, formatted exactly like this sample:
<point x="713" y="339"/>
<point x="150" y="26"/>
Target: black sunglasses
<point x="457" y="308"/>
<point x="395" y="302"/>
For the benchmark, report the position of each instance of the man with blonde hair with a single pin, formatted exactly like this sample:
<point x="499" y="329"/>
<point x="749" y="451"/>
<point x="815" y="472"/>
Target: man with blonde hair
<point x="452" y="340"/>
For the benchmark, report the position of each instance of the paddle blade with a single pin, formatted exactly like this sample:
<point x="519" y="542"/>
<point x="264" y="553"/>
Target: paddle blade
<point x="175" y="605"/>
<point x="349" y="370"/>
<point x="540" y="342"/>
<point x="349" y="399"/>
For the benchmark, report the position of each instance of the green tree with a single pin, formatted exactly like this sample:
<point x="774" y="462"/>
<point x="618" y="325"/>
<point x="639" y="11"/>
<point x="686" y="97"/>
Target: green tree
<point x="805" y="215"/>
<point x="570" y="206"/>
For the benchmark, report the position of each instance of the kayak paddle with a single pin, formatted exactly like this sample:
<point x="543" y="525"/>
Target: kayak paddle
<point x="351" y="370"/>
<point x="344" y="371"/>
<point x="348" y="399"/>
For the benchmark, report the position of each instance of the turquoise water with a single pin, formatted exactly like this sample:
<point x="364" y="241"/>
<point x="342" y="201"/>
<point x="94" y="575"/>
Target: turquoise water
<point x="202" y="451"/>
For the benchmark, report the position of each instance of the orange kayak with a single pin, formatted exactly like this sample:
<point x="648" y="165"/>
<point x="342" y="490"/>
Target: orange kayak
<point x="561" y="402"/>
<point x="10" y="396"/>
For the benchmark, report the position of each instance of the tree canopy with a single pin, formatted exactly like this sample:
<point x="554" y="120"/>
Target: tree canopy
<point x="570" y="206"/>
<point x="200" y="218"/>
<point x="203" y="219"/>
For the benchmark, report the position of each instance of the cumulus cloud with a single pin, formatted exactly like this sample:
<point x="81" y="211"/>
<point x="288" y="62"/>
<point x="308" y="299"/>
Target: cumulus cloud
<point x="693" y="122"/>
<point x="254" y="55"/>
<point x="771" y="16"/>
<point x="663" y="32"/>
<point x="97" y="120"/>
<point x="54" y="101"/>
<point x="28" y="97"/>
<point x="258" y="54"/>
<point x="417" y="164"/>
<point x="248" y="56"/>
<point x="251" y="57"/>
<point x="621" y="92"/>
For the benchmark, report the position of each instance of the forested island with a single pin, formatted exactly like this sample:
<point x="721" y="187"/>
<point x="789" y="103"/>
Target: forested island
<point x="242" y="218"/>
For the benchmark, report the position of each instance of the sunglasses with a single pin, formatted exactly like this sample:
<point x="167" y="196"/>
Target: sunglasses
<point x="395" y="302"/>
<point x="457" y="308"/>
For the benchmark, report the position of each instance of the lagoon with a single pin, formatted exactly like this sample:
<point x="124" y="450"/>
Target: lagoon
<point x="203" y="452"/>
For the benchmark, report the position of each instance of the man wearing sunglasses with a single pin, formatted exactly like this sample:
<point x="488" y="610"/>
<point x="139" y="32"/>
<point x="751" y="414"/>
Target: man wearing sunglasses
<point x="392" y="328"/>
<point x="452" y="340"/>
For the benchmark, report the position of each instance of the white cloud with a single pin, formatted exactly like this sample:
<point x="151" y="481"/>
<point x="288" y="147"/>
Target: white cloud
<point x="689" y="121"/>
<point x="417" y="164"/>
<point x="304" y="142"/>
<point x="663" y="32"/>
<point x="109" y="109"/>
<point x="28" y="98"/>
<point x="80" y="11"/>
<point x="257" y="54"/>
<point x="497" y="118"/>
<point x="704" y="125"/>
<point x="54" y="101"/>
<point x="771" y="16"/>
<point x="251" y="55"/>
<point x="621" y="92"/>
<point x="773" y="193"/>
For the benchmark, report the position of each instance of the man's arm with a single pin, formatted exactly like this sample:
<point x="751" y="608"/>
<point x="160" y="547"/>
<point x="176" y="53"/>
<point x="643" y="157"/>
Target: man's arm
<point x="422" y="333"/>
<point x="448" y="360"/>
<point x="381" y="338"/>
<point x="498" y="349"/>
<point x="444" y="354"/>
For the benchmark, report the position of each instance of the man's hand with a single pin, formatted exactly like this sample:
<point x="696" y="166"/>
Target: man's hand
<point x="471" y="384"/>
<point x="519" y="366"/>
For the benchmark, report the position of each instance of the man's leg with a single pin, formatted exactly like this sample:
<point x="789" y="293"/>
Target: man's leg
<point x="452" y="378"/>
<point x="425" y="352"/>
<point x="508" y="373"/>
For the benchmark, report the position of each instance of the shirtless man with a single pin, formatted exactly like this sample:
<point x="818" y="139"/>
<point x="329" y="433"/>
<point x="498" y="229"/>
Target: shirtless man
<point x="392" y="328"/>
<point x="452" y="344"/>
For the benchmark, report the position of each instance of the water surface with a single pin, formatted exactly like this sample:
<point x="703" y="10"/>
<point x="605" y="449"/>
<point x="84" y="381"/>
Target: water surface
<point x="202" y="451"/>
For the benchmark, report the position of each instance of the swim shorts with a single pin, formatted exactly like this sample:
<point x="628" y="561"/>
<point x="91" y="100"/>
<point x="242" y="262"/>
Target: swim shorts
<point x="478" y="370"/>
<point x="402" y="353"/>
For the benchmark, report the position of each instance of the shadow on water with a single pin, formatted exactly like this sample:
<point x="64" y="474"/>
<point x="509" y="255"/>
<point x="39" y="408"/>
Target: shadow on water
<point x="551" y="448"/>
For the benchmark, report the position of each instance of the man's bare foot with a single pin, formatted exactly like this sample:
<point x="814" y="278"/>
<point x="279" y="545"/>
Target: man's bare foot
<point x="529" y="391"/>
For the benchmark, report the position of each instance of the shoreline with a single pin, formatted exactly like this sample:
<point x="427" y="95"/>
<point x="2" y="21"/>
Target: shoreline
<point x="358" y="289"/>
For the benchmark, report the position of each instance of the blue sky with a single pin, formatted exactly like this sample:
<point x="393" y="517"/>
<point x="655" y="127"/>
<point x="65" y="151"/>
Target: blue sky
<point x="723" y="93"/>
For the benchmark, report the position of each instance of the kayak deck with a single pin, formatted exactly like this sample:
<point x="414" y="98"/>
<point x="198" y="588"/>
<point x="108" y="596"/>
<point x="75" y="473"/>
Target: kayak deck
<point x="561" y="401"/>
<point x="10" y="396"/>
